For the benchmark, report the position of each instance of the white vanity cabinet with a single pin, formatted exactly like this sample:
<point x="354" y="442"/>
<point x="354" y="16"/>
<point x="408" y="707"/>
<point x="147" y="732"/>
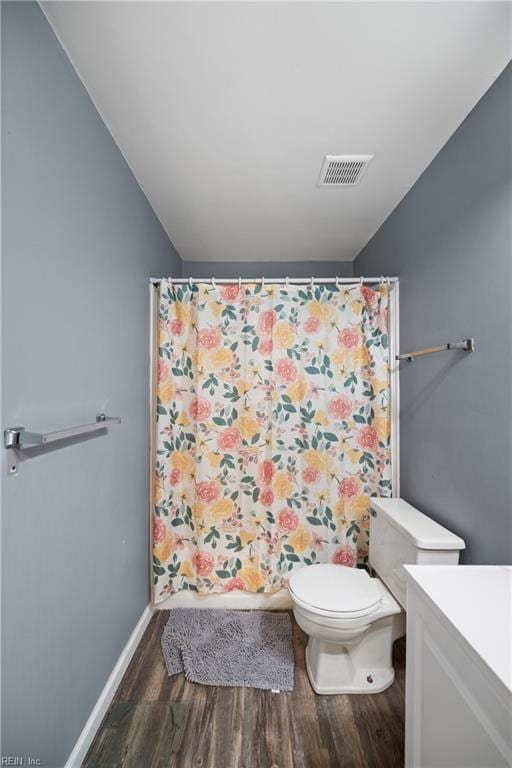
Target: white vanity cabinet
<point x="459" y="667"/>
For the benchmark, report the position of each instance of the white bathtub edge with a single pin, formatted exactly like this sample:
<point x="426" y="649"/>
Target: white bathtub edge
<point x="279" y="601"/>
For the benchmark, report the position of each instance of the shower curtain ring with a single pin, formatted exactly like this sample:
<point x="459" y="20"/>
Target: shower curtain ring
<point x="337" y="282"/>
<point x="312" y="283"/>
<point x="262" y="282"/>
<point x="286" y="281"/>
<point x="190" y="281"/>
<point x="214" y="283"/>
<point x="239" y="283"/>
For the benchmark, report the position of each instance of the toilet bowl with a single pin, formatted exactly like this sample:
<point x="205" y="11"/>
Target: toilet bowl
<point x="352" y="621"/>
<point x="352" y="618"/>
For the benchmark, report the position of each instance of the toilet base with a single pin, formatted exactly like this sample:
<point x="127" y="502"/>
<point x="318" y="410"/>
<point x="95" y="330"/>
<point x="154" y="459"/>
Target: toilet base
<point x="339" y="662"/>
<point x="329" y="685"/>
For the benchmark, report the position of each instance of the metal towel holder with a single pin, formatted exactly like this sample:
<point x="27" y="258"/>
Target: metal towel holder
<point x="18" y="438"/>
<point x="467" y="345"/>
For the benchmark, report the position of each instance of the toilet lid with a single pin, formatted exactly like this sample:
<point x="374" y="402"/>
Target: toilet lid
<point x="335" y="588"/>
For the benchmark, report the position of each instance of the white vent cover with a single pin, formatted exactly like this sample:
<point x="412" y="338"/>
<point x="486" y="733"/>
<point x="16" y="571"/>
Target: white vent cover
<point x="343" y="170"/>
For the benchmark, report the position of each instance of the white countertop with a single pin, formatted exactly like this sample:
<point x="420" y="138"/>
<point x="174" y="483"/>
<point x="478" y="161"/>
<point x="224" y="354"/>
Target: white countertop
<point x="477" y="600"/>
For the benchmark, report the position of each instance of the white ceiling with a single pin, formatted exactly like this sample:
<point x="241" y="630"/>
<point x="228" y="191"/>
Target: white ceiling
<point x="224" y="111"/>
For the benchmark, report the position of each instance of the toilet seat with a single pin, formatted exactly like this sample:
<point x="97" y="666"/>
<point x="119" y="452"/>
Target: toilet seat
<point x="335" y="591"/>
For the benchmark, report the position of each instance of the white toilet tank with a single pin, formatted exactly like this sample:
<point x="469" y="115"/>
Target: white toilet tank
<point x="402" y="535"/>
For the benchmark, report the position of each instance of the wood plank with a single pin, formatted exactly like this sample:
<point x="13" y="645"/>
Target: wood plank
<point x="138" y="734"/>
<point x="157" y="721"/>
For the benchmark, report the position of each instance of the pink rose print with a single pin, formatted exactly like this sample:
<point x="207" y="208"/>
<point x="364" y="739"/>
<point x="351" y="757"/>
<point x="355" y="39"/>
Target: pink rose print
<point x="163" y="371"/>
<point x="287" y="520"/>
<point x="345" y="556"/>
<point x="286" y="370"/>
<point x="229" y="292"/>
<point x="158" y="530"/>
<point x="311" y="475"/>
<point x="348" y="487"/>
<point x="177" y="327"/>
<point x="176" y="476"/>
<point x="369" y="295"/>
<point x="229" y="439"/>
<point x="266" y="322"/>
<point x="312" y="325"/>
<point x="266" y="472"/>
<point x="202" y="562"/>
<point x="340" y="407"/>
<point x="200" y="409"/>
<point x="267" y="498"/>
<point x="208" y="490"/>
<point x="236" y="583"/>
<point x="265" y="346"/>
<point x="208" y="338"/>
<point x="383" y="320"/>
<point x="368" y="438"/>
<point x="349" y="338"/>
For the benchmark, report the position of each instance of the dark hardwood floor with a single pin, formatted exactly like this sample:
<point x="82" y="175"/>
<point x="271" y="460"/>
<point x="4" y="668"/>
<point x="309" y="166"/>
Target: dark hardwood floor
<point x="161" y="722"/>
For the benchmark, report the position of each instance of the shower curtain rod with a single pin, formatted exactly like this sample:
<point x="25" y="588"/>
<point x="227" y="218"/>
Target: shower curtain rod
<point x="274" y="280"/>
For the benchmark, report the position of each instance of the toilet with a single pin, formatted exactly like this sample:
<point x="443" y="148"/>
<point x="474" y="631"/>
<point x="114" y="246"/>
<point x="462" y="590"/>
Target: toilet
<point x="352" y="618"/>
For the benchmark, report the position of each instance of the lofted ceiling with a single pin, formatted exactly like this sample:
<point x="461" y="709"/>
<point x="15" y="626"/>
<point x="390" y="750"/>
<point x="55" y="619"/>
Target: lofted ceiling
<point x="224" y="111"/>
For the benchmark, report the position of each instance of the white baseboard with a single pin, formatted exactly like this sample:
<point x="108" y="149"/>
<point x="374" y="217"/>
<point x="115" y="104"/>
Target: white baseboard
<point x="100" y="708"/>
<point x="278" y="601"/>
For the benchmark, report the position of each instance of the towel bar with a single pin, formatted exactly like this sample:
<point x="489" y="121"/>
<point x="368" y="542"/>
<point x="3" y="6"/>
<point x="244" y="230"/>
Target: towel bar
<point x="468" y="345"/>
<point x="19" y="437"/>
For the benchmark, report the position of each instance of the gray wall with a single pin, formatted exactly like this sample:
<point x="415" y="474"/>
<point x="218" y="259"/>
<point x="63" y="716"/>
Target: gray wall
<point x="79" y="242"/>
<point x="450" y="243"/>
<point x="267" y="269"/>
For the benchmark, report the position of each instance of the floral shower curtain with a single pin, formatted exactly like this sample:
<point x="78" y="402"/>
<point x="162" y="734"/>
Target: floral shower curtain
<point x="273" y="430"/>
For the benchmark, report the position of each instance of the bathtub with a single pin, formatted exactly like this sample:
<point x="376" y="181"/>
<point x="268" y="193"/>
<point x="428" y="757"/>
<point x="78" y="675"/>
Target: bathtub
<point x="278" y="601"/>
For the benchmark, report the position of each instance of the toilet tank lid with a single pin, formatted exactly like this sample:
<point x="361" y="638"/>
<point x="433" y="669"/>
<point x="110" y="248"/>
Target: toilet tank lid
<point x="422" y="530"/>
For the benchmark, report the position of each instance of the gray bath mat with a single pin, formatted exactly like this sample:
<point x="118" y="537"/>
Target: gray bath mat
<point x="251" y="649"/>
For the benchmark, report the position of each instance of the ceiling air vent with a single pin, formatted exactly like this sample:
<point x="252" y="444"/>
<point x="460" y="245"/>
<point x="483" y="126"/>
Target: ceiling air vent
<point x="343" y="170"/>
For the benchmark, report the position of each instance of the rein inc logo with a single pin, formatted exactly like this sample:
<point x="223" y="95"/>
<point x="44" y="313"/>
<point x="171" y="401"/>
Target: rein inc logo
<point x="17" y="760"/>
